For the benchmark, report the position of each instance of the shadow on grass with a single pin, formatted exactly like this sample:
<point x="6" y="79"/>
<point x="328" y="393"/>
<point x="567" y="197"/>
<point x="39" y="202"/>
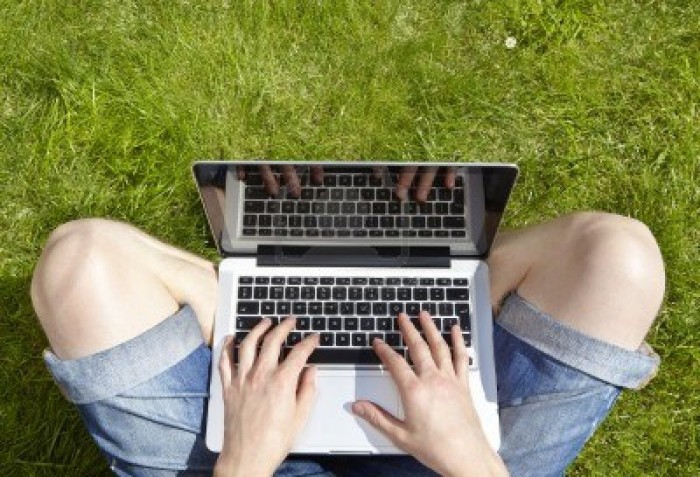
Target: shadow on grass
<point x="43" y="433"/>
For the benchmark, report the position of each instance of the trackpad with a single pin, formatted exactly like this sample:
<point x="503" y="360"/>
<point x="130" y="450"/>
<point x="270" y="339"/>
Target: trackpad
<point x="333" y="427"/>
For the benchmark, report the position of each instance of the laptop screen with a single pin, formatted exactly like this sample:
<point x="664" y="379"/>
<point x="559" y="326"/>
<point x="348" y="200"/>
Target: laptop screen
<point x="457" y="206"/>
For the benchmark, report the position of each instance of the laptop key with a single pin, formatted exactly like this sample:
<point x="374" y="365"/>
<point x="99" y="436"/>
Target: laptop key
<point x="308" y="293"/>
<point x="327" y="280"/>
<point x="315" y="308"/>
<point x="267" y="308"/>
<point x="337" y="355"/>
<point x="363" y="308"/>
<point x="303" y="323"/>
<point x="293" y="338"/>
<point x="367" y="324"/>
<point x="276" y="293"/>
<point x="318" y="323"/>
<point x="412" y="309"/>
<point x="359" y="339"/>
<point x="461" y="282"/>
<point x="446" y="309"/>
<point x="260" y="293"/>
<point x="299" y="308"/>
<point x="371" y="337"/>
<point x="444" y="282"/>
<point x="284" y="308"/>
<point x="245" y="280"/>
<point x="245" y="292"/>
<point x="292" y="293"/>
<point x="393" y="339"/>
<point x="388" y="294"/>
<point x="457" y="294"/>
<point x="420" y="294"/>
<point x="347" y="308"/>
<point x="379" y="309"/>
<point x="330" y="308"/>
<point x="355" y="293"/>
<point x="254" y="206"/>
<point x="448" y="323"/>
<point x="246" y="322"/>
<point x="437" y="294"/>
<point x="350" y="323"/>
<point x="248" y="308"/>
<point x="384" y="324"/>
<point x="395" y="308"/>
<point x="326" y="339"/>
<point x="462" y="311"/>
<point x="335" y="324"/>
<point x="342" y="339"/>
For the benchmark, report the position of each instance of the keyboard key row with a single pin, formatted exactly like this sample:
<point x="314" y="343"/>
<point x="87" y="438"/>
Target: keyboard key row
<point x="296" y="280"/>
<point x="347" y="233"/>
<point x="352" y="293"/>
<point x="366" y="207"/>
<point x="322" y="323"/>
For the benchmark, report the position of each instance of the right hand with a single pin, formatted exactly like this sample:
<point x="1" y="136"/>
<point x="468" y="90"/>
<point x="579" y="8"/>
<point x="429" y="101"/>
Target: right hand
<point x="441" y="427"/>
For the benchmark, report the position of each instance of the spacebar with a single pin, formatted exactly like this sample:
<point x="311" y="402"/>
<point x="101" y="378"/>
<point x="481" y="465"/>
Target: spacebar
<point x="344" y="356"/>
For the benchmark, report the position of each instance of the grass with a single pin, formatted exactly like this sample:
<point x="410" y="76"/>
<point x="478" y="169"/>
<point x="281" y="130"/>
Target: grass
<point x="104" y="104"/>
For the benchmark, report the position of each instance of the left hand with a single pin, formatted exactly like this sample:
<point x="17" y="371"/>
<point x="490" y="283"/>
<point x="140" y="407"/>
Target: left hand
<point x="266" y="403"/>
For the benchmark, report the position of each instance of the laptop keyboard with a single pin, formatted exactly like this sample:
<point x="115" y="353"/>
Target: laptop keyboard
<point x="349" y="312"/>
<point x="353" y="205"/>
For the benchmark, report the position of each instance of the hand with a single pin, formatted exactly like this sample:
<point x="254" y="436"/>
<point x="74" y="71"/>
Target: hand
<point x="425" y="181"/>
<point x="266" y="404"/>
<point x="404" y="182"/>
<point x="441" y="428"/>
<point x="291" y="178"/>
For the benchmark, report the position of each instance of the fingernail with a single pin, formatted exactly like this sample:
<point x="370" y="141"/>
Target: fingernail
<point x="358" y="409"/>
<point x="401" y="193"/>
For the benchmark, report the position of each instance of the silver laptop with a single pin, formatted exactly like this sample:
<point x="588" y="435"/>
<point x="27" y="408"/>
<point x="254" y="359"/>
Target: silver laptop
<point x="336" y="247"/>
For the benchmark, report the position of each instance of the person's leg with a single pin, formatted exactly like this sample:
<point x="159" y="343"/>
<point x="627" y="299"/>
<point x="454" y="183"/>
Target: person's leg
<point x="99" y="283"/>
<point x="128" y="319"/>
<point x="601" y="274"/>
<point x="580" y="294"/>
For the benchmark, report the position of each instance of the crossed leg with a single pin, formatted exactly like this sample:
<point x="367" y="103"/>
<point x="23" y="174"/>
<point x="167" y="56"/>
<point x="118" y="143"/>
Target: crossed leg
<point x="99" y="283"/>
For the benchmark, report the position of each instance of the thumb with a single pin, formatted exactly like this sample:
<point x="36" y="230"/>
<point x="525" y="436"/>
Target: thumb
<point x="382" y="420"/>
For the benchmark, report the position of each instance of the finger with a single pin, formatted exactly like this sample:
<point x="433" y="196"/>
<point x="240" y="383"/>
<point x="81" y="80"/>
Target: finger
<point x="291" y="179"/>
<point x="270" y="181"/>
<point x="438" y="348"/>
<point x="425" y="183"/>
<point x="450" y="177"/>
<point x="382" y="420"/>
<point x="240" y="170"/>
<point x="306" y="395"/>
<point x="225" y="362"/>
<point x="272" y="346"/>
<point x="417" y="347"/>
<point x="378" y="171"/>
<point x="299" y="355"/>
<point x="459" y="353"/>
<point x="248" y="347"/>
<point x="396" y="364"/>
<point x="317" y="174"/>
<point x="404" y="182"/>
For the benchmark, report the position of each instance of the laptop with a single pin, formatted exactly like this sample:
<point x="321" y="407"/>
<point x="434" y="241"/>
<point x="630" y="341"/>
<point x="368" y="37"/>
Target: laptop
<point x="338" y="246"/>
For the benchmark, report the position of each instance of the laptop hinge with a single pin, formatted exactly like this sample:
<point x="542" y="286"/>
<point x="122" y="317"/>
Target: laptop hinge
<point x="335" y="256"/>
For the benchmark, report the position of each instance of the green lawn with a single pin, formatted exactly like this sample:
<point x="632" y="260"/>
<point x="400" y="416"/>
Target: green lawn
<point x="104" y="105"/>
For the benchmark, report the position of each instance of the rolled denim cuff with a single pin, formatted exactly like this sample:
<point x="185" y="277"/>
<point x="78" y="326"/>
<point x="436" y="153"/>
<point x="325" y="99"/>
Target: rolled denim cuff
<point x="607" y="362"/>
<point x="109" y="372"/>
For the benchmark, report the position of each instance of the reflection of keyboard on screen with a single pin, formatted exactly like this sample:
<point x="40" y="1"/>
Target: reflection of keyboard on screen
<point x="352" y="205"/>
<point x="349" y="312"/>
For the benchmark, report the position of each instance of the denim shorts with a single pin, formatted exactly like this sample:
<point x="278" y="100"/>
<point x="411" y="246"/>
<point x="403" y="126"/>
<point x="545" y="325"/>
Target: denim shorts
<point x="144" y="401"/>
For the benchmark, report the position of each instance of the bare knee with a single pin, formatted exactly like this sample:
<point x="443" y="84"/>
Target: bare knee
<point x="71" y="252"/>
<point x="626" y="247"/>
<point x="622" y="255"/>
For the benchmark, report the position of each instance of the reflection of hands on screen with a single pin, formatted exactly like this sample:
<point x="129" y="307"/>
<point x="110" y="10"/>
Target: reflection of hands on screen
<point x="418" y="180"/>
